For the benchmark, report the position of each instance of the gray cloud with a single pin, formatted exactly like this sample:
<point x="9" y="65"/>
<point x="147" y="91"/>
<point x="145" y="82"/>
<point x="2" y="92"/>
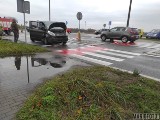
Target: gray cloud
<point x="144" y="14"/>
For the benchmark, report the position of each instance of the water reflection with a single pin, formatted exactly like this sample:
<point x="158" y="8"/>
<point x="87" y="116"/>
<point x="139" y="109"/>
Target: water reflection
<point x="17" y="62"/>
<point x="56" y="61"/>
<point x="20" y="70"/>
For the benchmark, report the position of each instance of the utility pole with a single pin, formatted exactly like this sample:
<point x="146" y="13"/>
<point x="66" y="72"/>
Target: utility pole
<point x="129" y="13"/>
<point x="49" y="11"/>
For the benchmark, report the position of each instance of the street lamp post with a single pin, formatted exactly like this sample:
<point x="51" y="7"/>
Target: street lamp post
<point x="129" y="13"/>
<point x="49" y="12"/>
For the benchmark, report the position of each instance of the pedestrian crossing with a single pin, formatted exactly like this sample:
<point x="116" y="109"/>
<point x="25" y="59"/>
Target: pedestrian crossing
<point x="99" y="55"/>
<point x="150" y="45"/>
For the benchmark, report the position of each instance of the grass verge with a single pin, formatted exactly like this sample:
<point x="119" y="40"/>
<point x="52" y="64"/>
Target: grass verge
<point x="92" y="93"/>
<point x="8" y="48"/>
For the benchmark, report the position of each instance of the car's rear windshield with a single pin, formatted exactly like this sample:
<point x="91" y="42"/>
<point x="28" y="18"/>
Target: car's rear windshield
<point x="104" y="29"/>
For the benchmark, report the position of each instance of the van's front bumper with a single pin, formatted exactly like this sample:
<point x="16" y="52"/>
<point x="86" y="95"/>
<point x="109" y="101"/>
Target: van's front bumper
<point x="57" y="39"/>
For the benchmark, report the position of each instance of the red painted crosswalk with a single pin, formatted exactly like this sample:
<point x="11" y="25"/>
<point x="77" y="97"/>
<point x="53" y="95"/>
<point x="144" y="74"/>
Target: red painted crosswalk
<point x="124" y="44"/>
<point x="81" y="50"/>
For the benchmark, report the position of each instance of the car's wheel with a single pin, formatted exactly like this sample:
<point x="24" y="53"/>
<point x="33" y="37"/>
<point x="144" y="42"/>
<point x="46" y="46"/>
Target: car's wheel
<point x="32" y="40"/>
<point x="132" y="41"/>
<point x="103" y="37"/>
<point x="64" y="43"/>
<point x="111" y="40"/>
<point x="45" y="41"/>
<point x="124" y="39"/>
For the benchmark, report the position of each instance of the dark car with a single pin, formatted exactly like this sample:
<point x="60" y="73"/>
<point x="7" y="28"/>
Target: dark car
<point x="48" y="32"/>
<point x="155" y="33"/>
<point x="100" y="31"/>
<point x="124" y="34"/>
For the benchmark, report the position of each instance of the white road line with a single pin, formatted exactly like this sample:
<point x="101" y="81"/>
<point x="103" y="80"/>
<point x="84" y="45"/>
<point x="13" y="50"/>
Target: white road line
<point x="103" y="56"/>
<point x="119" y="51"/>
<point x="125" y="52"/>
<point x="139" y="44"/>
<point x="146" y="45"/>
<point x="116" y="54"/>
<point x="91" y="60"/>
<point x="155" y="46"/>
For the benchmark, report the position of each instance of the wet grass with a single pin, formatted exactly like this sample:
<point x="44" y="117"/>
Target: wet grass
<point x="92" y="93"/>
<point x="8" y="48"/>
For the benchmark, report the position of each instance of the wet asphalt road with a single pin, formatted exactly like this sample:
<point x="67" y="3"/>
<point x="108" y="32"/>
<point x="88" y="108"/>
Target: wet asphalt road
<point x="145" y="64"/>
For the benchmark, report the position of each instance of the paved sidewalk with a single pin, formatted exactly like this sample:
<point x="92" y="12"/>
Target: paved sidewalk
<point x="12" y="99"/>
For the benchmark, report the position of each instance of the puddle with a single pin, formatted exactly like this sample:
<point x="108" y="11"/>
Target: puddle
<point x="18" y="71"/>
<point x="19" y="76"/>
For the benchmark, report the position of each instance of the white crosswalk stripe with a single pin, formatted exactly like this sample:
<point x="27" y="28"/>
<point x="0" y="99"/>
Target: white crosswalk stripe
<point x="148" y="45"/>
<point x="88" y="59"/>
<point x="104" y="56"/>
<point x="125" y="52"/>
<point x="155" y="46"/>
<point x="115" y="54"/>
<point x="119" y="51"/>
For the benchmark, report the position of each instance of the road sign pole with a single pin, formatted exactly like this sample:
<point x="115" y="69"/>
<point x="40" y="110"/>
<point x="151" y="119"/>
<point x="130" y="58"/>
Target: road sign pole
<point x="25" y="27"/>
<point x="129" y="13"/>
<point x="24" y="7"/>
<point x="79" y="32"/>
<point x="49" y="11"/>
<point x="79" y="25"/>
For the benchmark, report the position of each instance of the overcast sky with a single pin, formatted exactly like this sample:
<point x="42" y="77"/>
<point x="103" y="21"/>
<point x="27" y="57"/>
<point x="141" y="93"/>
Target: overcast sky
<point x="144" y="14"/>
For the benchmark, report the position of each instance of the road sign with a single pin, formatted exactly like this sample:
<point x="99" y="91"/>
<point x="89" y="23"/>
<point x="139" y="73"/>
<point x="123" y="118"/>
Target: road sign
<point x="79" y="16"/>
<point x="104" y="25"/>
<point x="23" y="6"/>
<point x="26" y="7"/>
<point x="20" y="6"/>
<point x="110" y="22"/>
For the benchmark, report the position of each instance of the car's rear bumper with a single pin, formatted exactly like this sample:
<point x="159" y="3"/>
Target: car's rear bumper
<point x="134" y="37"/>
<point x="57" y="39"/>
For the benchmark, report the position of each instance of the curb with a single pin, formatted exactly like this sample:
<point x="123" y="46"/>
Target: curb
<point x="156" y="79"/>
